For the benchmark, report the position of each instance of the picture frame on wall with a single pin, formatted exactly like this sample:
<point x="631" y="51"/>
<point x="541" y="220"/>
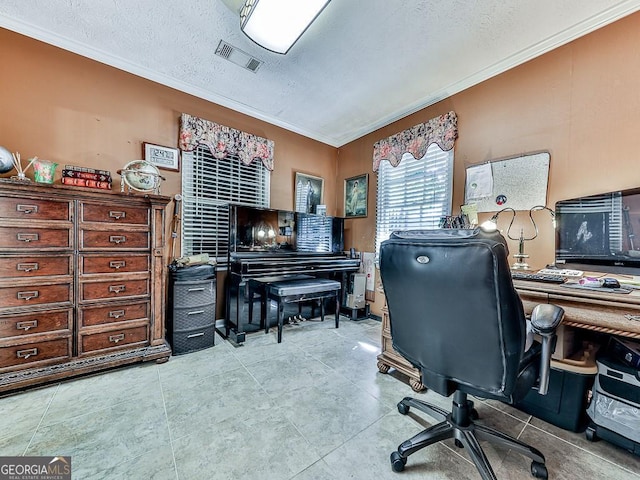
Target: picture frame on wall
<point x="166" y="158"/>
<point x="308" y="193"/>
<point x="356" y="191"/>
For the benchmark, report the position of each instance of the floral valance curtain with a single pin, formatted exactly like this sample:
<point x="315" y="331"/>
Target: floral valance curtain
<point x="223" y="141"/>
<point x="442" y="130"/>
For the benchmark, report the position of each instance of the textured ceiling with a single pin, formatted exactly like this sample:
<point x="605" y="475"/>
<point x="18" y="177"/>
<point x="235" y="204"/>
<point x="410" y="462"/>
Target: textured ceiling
<point x="361" y="65"/>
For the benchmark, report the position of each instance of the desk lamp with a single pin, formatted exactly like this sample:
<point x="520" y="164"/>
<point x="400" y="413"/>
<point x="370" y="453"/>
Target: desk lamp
<point x="492" y="224"/>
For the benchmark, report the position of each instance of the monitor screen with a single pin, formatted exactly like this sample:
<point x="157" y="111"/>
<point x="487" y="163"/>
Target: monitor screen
<point x="584" y="234"/>
<point x="597" y="232"/>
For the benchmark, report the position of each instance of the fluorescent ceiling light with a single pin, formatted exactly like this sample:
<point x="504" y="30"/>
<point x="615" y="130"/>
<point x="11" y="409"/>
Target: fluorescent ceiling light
<point x="277" y="24"/>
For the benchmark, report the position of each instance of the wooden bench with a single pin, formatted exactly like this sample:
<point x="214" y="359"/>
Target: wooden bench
<point x="301" y="290"/>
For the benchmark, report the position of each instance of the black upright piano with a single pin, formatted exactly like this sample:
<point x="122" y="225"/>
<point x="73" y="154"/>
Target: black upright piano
<point x="278" y="243"/>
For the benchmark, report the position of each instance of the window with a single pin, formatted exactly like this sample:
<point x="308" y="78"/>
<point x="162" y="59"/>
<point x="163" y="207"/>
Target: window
<point x="415" y="194"/>
<point x="209" y="185"/>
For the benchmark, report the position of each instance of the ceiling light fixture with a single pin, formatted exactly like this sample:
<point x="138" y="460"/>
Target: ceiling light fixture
<point x="277" y="24"/>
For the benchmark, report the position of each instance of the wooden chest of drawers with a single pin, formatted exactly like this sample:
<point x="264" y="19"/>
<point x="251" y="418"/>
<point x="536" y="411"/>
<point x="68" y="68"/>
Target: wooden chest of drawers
<point x="81" y="282"/>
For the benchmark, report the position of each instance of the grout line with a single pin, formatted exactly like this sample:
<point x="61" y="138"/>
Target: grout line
<point x="595" y="454"/>
<point x="524" y="427"/>
<point x="41" y="420"/>
<point x="166" y="416"/>
<point x="335" y="373"/>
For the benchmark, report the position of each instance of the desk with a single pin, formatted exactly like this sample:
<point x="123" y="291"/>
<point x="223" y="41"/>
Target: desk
<point x="390" y="358"/>
<point x="599" y="311"/>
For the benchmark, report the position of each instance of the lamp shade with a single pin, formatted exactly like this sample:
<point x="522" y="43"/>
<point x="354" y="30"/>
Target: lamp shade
<point x="277" y="24"/>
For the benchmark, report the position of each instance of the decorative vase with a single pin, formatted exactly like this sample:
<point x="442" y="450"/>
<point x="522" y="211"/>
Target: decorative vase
<point x="44" y="171"/>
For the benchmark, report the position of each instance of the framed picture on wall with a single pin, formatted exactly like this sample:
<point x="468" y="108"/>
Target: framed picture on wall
<point x="162" y="157"/>
<point x="308" y="193"/>
<point x="356" y="190"/>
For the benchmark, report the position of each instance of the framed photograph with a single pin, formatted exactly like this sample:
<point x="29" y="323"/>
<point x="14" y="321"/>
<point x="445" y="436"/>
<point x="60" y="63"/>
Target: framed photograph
<point x="308" y="193"/>
<point x="162" y="157"/>
<point x="356" y="190"/>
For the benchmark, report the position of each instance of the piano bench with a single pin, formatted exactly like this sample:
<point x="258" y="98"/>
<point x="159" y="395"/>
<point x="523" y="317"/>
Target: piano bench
<point x="259" y="286"/>
<point x="301" y="290"/>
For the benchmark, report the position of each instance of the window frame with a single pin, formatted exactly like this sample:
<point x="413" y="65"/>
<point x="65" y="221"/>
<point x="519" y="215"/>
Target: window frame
<point x="209" y="185"/>
<point x="433" y="165"/>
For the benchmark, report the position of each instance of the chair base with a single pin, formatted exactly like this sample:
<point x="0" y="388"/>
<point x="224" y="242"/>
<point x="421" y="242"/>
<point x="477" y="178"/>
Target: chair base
<point x="458" y="424"/>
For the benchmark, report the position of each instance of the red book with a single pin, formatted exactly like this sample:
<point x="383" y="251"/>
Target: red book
<point x="83" y="182"/>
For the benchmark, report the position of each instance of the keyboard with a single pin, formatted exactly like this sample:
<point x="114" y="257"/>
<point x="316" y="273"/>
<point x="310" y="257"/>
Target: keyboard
<point x="538" y="277"/>
<point x="562" y="272"/>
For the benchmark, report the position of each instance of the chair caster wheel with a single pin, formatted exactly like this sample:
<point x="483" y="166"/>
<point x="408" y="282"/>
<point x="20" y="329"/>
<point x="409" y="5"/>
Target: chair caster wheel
<point x="403" y="408"/>
<point x="539" y="470"/>
<point x="458" y="443"/>
<point x="473" y="414"/>
<point x="397" y="462"/>
<point x="590" y="434"/>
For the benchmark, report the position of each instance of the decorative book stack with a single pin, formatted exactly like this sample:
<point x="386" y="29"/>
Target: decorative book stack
<point x="86" y="177"/>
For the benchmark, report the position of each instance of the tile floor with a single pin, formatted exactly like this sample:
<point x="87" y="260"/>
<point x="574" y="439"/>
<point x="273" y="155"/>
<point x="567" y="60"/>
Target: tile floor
<point x="314" y="407"/>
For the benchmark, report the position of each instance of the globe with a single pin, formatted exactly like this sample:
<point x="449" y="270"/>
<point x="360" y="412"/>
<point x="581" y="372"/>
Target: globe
<point x="141" y="175"/>
<point x="6" y="160"/>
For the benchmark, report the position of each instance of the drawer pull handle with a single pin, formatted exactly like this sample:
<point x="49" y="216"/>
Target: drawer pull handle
<point x="27" y="353"/>
<point x="28" y="237"/>
<point x="199" y="289"/>
<point x="116" y="313"/>
<point x="117" y="215"/>
<point x="28" y="295"/>
<point x="117" y="264"/>
<point x="632" y="317"/>
<point x="117" y="288"/>
<point x="193" y="335"/>
<point x="27" y="208"/>
<point x="196" y="312"/>
<point x="117" y="239"/>
<point x="27" y="324"/>
<point x="116" y="338"/>
<point x="27" y="267"/>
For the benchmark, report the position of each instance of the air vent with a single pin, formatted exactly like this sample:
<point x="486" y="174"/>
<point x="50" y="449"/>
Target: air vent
<point x="253" y="64"/>
<point x="224" y="50"/>
<point x="237" y="56"/>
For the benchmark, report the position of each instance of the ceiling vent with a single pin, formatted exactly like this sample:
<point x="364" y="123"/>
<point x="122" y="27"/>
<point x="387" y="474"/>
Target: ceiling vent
<point x="237" y="56"/>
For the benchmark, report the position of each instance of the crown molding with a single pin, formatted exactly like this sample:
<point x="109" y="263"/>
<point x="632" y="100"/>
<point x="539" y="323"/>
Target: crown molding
<point x="576" y="31"/>
<point x="557" y="40"/>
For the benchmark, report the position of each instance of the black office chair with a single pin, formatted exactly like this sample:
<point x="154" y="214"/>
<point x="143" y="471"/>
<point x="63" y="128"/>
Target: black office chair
<point x="455" y="315"/>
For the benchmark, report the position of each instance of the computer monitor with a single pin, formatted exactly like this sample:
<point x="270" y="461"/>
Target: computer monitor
<point x="597" y="232"/>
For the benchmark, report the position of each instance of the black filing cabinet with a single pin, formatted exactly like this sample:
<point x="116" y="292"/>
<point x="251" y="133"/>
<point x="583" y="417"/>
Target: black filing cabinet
<point x="192" y="309"/>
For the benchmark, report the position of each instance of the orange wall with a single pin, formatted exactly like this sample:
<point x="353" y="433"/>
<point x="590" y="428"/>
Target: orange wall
<point x="66" y="108"/>
<point x="72" y="110"/>
<point x="580" y="102"/>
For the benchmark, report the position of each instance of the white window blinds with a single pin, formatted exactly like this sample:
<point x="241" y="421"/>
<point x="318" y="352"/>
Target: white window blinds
<point x="415" y="194"/>
<point x="209" y="185"/>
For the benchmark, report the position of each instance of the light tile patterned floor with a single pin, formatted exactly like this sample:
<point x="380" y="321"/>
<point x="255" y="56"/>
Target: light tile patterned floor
<point x="314" y="407"/>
